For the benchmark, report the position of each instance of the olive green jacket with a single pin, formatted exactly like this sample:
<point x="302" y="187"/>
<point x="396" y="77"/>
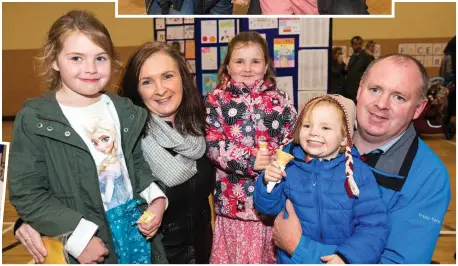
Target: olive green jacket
<point x="53" y="178"/>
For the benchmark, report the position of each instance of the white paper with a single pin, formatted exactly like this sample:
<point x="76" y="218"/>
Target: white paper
<point x="303" y="96"/>
<point x="175" y="32"/>
<point x="420" y="58"/>
<point x="160" y="24"/>
<point x="189" y="32"/>
<point x="174" y="21"/>
<point x="188" y="20"/>
<point x="437" y="49"/>
<point x="263" y="35"/>
<point x="313" y="70"/>
<point x="428" y="61"/>
<point x="226" y="30"/>
<point x="314" y="32"/>
<point x="411" y="48"/>
<point x="377" y="51"/>
<point x="209" y="58"/>
<point x="286" y="84"/>
<point x="288" y="26"/>
<point x="402" y="48"/>
<point x="208" y="29"/>
<point x="262" y="23"/>
<point x="429" y="49"/>
<point x="192" y="65"/>
<point x="437" y="59"/>
<point x="161" y="35"/>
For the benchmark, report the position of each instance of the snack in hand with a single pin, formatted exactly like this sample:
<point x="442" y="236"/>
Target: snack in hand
<point x="147" y="217"/>
<point x="56" y="252"/>
<point x="262" y="144"/>
<point x="283" y="159"/>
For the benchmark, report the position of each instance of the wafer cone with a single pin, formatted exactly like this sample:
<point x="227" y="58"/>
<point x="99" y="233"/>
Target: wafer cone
<point x="55" y="249"/>
<point x="283" y="159"/>
<point x="262" y="144"/>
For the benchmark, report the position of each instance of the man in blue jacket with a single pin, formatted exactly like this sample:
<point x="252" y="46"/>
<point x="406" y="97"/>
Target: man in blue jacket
<point x="414" y="183"/>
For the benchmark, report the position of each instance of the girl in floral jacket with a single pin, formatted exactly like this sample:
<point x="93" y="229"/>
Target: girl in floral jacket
<point x="244" y="108"/>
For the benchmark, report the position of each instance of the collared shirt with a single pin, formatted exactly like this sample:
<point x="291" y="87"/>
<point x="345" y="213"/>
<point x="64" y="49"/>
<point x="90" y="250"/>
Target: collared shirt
<point x="385" y="147"/>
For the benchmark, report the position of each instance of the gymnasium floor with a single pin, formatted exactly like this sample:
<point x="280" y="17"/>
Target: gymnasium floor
<point x="446" y="246"/>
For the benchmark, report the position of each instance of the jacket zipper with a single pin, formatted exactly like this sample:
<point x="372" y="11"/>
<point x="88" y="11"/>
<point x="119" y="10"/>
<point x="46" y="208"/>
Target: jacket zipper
<point x="318" y="200"/>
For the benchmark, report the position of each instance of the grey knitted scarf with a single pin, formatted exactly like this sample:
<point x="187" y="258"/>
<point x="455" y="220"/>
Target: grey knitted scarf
<point x="171" y="170"/>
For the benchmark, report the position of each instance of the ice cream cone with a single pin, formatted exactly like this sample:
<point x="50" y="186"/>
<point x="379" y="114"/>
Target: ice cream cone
<point x="283" y="159"/>
<point x="262" y="144"/>
<point x="55" y="249"/>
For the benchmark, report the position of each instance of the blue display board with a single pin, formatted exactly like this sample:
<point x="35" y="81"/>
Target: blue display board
<point x="212" y="36"/>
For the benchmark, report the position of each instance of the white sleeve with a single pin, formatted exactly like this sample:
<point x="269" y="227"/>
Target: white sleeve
<point x="80" y="238"/>
<point x="153" y="192"/>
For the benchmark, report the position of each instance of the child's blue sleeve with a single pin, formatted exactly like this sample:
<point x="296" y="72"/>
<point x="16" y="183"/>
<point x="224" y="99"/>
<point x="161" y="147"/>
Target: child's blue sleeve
<point x="269" y="204"/>
<point x="309" y="251"/>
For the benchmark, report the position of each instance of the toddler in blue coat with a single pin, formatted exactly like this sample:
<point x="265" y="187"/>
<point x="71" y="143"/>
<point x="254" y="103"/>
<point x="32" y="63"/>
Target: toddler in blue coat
<point x="334" y="194"/>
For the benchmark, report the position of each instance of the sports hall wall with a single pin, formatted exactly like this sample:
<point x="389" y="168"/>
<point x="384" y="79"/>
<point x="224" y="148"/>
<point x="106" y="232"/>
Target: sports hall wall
<point x="25" y="26"/>
<point x="416" y="27"/>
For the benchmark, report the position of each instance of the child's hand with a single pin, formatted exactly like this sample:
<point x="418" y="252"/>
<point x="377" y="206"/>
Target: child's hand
<point x="332" y="259"/>
<point x="273" y="173"/>
<point x="94" y="252"/>
<point x="262" y="160"/>
<point x="240" y="2"/>
<point x="157" y="207"/>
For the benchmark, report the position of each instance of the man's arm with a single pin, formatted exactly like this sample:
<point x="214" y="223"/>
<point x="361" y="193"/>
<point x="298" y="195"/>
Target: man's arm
<point x="415" y="227"/>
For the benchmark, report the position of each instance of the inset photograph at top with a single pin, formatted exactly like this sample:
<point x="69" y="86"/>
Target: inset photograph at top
<point x="254" y="7"/>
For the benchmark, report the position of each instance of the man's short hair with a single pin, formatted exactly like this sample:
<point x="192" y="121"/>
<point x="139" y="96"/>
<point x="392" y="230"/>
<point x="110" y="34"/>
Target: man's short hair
<point x="401" y="58"/>
<point x="357" y="38"/>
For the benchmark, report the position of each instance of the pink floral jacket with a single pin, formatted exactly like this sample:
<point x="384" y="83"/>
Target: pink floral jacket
<point x="237" y="116"/>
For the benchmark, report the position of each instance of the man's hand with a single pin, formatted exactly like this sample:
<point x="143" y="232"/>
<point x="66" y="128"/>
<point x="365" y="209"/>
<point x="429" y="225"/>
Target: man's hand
<point x="31" y="239"/>
<point x="287" y="232"/>
<point x="157" y="207"/>
<point x="332" y="259"/>
<point x="94" y="252"/>
<point x="262" y="160"/>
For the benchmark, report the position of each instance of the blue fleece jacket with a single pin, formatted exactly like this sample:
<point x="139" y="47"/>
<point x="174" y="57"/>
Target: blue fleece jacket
<point x="331" y="220"/>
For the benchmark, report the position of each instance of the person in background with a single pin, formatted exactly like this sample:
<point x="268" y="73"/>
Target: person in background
<point x="359" y="61"/>
<point x="338" y="71"/>
<point x="448" y="72"/>
<point x="370" y="48"/>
